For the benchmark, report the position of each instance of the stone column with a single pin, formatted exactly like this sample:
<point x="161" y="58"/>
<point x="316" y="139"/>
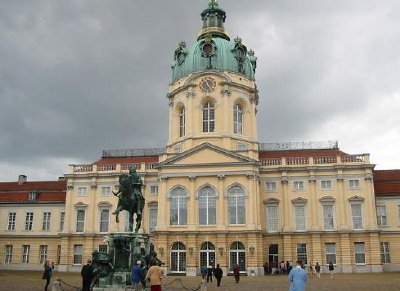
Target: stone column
<point x="346" y="253"/>
<point x="342" y="206"/>
<point x="162" y="216"/>
<point x="374" y="253"/>
<point x="221" y="207"/>
<point x="193" y="211"/>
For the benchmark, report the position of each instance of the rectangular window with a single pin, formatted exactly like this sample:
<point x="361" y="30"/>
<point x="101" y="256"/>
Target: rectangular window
<point x="381" y="215"/>
<point x="106" y="191"/>
<point x="298" y="185"/>
<point x="11" y="220"/>
<point x="330" y="251"/>
<point x="385" y="254"/>
<point x="25" y="253"/>
<point x="359" y="253"/>
<point x="300" y="217"/>
<point x="273" y="254"/>
<point x="356" y="215"/>
<point x="103" y="249"/>
<point x="326" y="185"/>
<point x="302" y="253"/>
<point x="152" y="218"/>
<point x="327" y="210"/>
<point x="42" y="254"/>
<point x="78" y="250"/>
<point x="272" y="218"/>
<point x="46" y="220"/>
<point x="62" y="219"/>
<point x="28" y="220"/>
<point x="58" y="254"/>
<point x="8" y="254"/>
<point x="153" y="190"/>
<point x="354" y="183"/>
<point x="104" y="219"/>
<point x="270" y="186"/>
<point x="80" y="220"/>
<point x="82" y="191"/>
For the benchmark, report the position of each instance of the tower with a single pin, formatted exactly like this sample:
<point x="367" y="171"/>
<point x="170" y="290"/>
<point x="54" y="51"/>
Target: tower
<point x="213" y="96"/>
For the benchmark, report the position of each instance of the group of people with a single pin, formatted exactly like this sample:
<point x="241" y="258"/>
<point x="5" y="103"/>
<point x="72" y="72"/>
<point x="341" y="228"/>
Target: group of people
<point x="277" y="268"/>
<point x="208" y="272"/>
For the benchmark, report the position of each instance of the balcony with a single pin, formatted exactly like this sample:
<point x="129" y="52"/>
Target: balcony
<point x="316" y="160"/>
<point x="111" y="168"/>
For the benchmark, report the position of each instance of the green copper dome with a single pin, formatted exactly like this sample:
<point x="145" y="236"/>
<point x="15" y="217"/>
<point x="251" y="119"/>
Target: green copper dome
<point x="213" y="49"/>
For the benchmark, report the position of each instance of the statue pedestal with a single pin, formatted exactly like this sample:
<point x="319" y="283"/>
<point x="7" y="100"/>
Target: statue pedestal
<point x="125" y="249"/>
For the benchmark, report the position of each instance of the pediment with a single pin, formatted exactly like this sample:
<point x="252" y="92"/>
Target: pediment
<point x="207" y="154"/>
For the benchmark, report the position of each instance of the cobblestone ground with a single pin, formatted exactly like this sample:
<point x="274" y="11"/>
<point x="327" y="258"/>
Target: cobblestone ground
<point x="31" y="281"/>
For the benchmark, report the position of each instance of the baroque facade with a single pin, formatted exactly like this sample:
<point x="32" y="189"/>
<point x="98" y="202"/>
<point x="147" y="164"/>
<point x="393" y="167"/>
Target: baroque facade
<point x="215" y="195"/>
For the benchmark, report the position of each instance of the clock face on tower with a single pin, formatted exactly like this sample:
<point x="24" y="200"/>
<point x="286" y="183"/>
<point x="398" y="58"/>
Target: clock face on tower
<point x="207" y="84"/>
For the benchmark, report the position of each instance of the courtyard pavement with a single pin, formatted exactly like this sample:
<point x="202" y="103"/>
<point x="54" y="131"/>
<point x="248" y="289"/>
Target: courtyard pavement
<point x="31" y="281"/>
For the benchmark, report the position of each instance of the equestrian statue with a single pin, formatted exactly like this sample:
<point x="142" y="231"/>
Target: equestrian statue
<point x="130" y="198"/>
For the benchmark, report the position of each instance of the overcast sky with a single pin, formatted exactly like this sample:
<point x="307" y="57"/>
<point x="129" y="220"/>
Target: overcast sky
<point x="77" y="77"/>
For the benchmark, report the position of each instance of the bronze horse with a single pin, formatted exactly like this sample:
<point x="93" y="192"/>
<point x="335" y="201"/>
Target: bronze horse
<point x="127" y="201"/>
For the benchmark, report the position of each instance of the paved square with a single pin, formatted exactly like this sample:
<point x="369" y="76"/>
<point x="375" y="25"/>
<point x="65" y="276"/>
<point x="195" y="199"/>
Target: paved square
<point x="30" y="281"/>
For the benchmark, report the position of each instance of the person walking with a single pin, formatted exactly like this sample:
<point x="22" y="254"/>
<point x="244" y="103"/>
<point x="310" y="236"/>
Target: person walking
<point x="218" y="273"/>
<point x="154" y="274"/>
<point x="311" y="268"/>
<point x="331" y="269"/>
<point x="273" y="268"/>
<point x="298" y="278"/>
<point x="203" y="272"/>
<point x="236" y="273"/>
<point x="266" y="268"/>
<point x="209" y="273"/>
<point x="318" y="270"/>
<point x="136" y="277"/>
<point x="87" y="275"/>
<point x="47" y="274"/>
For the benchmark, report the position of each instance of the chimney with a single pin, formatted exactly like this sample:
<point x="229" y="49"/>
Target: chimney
<point x="21" y="179"/>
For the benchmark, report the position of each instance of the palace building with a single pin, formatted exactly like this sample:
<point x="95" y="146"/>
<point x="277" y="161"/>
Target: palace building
<point x="215" y="194"/>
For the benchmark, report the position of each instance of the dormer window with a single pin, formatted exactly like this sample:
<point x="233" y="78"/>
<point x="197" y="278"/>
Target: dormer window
<point x="32" y="196"/>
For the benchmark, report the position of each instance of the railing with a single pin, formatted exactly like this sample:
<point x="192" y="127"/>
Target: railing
<point x="83" y="168"/>
<point x="151" y="166"/>
<point x="293" y="161"/>
<point x="297" y="161"/>
<point x="106" y="167"/>
<point x="129" y="165"/>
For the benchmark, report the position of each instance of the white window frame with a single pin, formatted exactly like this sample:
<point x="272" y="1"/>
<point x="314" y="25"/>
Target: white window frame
<point x="42" y="254"/>
<point x="381" y="218"/>
<point x="207" y="196"/>
<point x="326" y="185"/>
<point x="77" y="210"/>
<point x="353" y="217"/>
<point x="327" y="218"/>
<point x="297" y="222"/>
<point x="236" y="198"/>
<point x="298" y="185"/>
<point x="270" y="186"/>
<point x="106" y="190"/>
<point x="182" y="121"/>
<point x="153" y="189"/>
<point x="26" y="249"/>
<point x="82" y="191"/>
<point x="237" y="119"/>
<point x="208" y="114"/>
<point x="272" y="219"/>
<point x="104" y="222"/>
<point x="29" y="215"/>
<point x="78" y="254"/>
<point x="328" y="252"/>
<point x="353" y="181"/>
<point x="8" y="254"/>
<point x="12" y="218"/>
<point x="385" y="252"/>
<point x="302" y="255"/>
<point x="179" y="195"/>
<point x="153" y="220"/>
<point x="359" y="253"/>
<point x="62" y="220"/>
<point x="46" y="220"/>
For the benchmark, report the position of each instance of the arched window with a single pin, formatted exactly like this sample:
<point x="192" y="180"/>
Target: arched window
<point x="178" y="258"/>
<point x="207" y="206"/>
<point x="182" y="122"/>
<point x="208" y="117"/>
<point x="237" y="255"/>
<point x="236" y="205"/>
<point x="178" y="213"/>
<point x="238" y="119"/>
<point x="207" y="255"/>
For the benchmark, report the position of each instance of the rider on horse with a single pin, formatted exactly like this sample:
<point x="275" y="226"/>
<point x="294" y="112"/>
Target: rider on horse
<point x="136" y="182"/>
